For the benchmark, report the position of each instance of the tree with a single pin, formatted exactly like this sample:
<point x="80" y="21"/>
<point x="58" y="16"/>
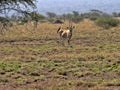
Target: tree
<point x="4" y="24"/>
<point x="51" y="15"/>
<point x="16" y="5"/>
<point x="23" y="7"/>
<point x="69" y="16"/>
<point x="75" y="13"/>
<point x="115" y="14"/>
<point x="36" y="17"/>
<point x="76" y="17"/>
<point x="64" y="17"/>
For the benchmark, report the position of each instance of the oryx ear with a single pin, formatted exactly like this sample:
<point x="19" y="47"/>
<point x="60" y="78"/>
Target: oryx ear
<point x="67" y="27"/>
<point x="73" y="26"/>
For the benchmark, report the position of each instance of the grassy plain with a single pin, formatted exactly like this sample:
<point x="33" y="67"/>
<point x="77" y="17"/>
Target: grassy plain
<point x="36" y="60"/>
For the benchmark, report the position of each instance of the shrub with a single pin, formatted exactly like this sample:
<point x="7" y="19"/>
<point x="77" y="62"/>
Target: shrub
<point x="51" y="20"/>
<point x="107" y="22"/>
<point x="77" y="19"/>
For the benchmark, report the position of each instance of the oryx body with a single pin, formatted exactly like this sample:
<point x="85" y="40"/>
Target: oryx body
<point x="65" y="34"/>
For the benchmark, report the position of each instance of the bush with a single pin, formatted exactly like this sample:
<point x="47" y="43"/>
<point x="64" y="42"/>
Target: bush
<point x="51" y="20"/>
<point x="77" y="19"/>
<point x="107" y="22"/>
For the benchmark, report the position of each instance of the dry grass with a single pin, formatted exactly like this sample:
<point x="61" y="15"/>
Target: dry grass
<point x="88" y="25"/>
<point x="44" y="30"/>
<point x="36" y="60"/>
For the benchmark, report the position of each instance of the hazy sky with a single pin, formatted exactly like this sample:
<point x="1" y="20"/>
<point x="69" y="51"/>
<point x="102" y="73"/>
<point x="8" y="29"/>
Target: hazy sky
<point x="65" y="6"/>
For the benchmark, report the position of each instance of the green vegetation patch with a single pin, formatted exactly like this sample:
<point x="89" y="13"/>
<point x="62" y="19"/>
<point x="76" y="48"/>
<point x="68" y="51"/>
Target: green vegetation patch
<point x="107" y="22"/>
<point x="9" y="67"/>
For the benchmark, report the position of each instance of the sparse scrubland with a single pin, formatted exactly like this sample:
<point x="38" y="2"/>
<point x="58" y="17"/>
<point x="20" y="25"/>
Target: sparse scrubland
<point x="36" y="60"/>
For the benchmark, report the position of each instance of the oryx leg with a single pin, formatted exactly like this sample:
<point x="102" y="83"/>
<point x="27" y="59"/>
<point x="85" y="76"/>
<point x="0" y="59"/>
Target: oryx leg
<point x="69" y="43"/>
<point x="62" y="41"/>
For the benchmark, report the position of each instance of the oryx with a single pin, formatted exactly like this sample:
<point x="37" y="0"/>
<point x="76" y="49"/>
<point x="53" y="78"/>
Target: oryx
<point x="66" y="33"/>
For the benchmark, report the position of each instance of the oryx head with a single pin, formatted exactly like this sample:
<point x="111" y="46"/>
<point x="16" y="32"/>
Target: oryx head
<point x="71" y="27"/>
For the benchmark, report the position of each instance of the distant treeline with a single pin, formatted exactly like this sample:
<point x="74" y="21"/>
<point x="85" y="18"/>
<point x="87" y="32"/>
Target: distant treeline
<point x="97" y="16"/>
<point x="51" y="16"/>
<point x="100" y="18"/>
<point x="29" y="14"/>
